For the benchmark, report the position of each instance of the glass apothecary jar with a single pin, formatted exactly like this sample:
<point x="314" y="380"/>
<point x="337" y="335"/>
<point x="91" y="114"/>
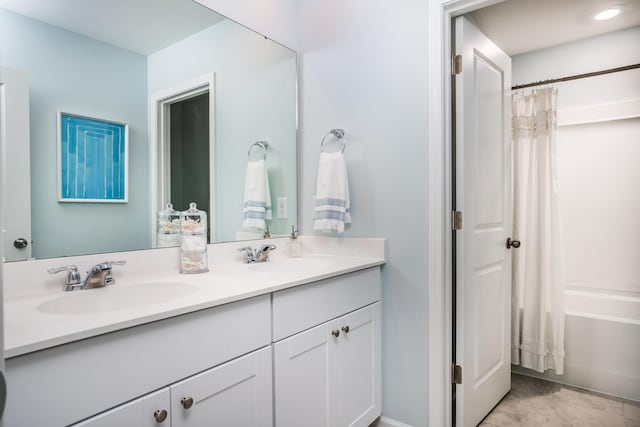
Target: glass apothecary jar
<point x="193" y="249"/>
<point x="168" y="227"/>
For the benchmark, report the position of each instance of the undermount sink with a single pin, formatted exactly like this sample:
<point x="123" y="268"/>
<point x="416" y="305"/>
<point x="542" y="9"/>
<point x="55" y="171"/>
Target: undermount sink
<point x="114" y="298"/>
<point x="293" y="265"/>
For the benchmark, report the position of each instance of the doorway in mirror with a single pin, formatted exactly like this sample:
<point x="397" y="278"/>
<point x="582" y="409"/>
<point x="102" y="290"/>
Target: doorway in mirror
<point x="185" y="149"/>
<point x="189" y="154"/>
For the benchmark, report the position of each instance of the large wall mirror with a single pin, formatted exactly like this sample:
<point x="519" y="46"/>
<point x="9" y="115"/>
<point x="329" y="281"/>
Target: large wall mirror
<point x="196" y="92"/>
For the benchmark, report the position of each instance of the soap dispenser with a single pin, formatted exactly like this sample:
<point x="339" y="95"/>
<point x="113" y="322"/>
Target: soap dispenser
<point x="193" y="250"/>
<point x="168" y="227"/>
<point x="294" y="247"/>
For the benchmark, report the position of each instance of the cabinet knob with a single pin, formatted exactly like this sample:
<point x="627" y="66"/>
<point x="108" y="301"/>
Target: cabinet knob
<point x="186" y="402"/>
<point x="335" y="333"/>
<point x="20" y="243"/>
<point x="160" y="415"/>
<point x="345" y="329"/>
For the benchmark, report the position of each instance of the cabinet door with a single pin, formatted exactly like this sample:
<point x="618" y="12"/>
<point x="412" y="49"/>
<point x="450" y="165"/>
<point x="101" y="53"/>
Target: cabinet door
<point x="138" y="413"/>
<point x="357" y="388"/>
<point x="302" y="365"/>
<point x="330" y="375"/>
<point x="235" y="394"/>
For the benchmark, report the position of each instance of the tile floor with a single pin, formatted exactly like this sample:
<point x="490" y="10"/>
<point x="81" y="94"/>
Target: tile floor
<point x="534" y="402"/>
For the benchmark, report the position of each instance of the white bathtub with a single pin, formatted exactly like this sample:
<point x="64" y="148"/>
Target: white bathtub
<point x="603" y="306"/>
<point x="602" y="344"/>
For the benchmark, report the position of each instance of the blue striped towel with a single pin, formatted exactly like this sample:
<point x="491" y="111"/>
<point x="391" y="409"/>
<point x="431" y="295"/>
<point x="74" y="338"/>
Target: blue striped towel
<point x="257" y="196"/>
<point x="332" y="209"/>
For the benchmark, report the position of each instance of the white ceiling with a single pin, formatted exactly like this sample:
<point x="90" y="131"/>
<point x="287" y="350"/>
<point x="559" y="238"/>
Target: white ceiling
<point x="519" y="26"/>
<point x="145" y="26"/>
<point x="141" y="26"/>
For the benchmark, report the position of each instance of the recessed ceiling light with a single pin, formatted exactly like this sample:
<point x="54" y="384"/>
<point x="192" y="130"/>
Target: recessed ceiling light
<point x="606" y="14"/>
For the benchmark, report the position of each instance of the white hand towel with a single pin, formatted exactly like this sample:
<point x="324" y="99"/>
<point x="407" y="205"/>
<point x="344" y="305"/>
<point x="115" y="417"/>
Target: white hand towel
<point x="332" y="210"/>
<point x="257" y="196"/>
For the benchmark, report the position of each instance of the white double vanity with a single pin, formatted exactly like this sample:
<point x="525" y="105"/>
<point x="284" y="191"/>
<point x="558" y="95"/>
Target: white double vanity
<point x="288" y="342"/>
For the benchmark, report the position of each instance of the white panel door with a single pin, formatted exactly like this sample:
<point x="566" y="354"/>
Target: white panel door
<point x="14" y="149"/>
<point x="483" y="194"/>
<point x="151" y="410"/>
<point x="301" y="366"/>
<point x="235" y="394"/>
<point x="357" y="387"/>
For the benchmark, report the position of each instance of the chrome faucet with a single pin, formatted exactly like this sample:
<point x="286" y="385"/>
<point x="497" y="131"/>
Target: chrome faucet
<point x="251" y="255"/>
<point x="262" y="254"/>
<point x="98" y="276"/>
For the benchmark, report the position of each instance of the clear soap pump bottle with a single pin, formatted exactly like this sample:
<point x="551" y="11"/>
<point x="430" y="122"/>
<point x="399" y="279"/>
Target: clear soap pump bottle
<point x="193" y="250"/>
<point x="294" y="247"/>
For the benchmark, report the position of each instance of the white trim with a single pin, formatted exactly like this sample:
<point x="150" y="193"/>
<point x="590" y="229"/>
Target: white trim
<point x="439" y="166"/>
<point x="439" y="406"/>
<point x="599" y="113"/>
<point x="158" y="143"/>
<point x="3" y="182"/>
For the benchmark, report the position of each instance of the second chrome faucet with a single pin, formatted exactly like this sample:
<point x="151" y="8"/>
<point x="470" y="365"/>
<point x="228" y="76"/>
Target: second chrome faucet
<point x="251" y="255"/>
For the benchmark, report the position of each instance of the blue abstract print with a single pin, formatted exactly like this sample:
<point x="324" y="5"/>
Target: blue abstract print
<point x="92" y="159"/>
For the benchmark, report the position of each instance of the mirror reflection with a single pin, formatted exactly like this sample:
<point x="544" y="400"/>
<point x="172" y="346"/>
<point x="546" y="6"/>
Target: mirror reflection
<point x="196" y="92"/>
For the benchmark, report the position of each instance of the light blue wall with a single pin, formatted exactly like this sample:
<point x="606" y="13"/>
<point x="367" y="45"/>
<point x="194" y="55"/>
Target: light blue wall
<point x="255" y="95"/>
<point x="364" y="68"/>
<point x="79" y="75"/>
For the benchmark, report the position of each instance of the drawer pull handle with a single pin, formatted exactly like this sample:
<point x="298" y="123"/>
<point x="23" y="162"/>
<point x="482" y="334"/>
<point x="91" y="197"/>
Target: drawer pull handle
<point x="160" y="415"/>
<point x="345" y="329"/>
<point x="335" y="333"/>
<point x="186" y="402"/>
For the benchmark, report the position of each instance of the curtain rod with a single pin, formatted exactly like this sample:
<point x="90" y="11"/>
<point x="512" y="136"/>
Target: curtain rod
<point x="577" y="76"/>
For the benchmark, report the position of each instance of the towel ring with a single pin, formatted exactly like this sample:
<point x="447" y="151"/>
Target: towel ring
<point x="261" y="144"/>
<point x="338" y="134"/>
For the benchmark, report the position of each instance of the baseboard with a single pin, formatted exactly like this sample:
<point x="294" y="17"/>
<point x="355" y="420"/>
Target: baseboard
<point x="388" y="422"/>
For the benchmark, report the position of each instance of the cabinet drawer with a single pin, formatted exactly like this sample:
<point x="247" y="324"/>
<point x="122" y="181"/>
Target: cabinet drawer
<point x="303" y="307"/>
<point x="237" y="393"/>
<point x="139" y="413"/>
<point x="65" y="384"/>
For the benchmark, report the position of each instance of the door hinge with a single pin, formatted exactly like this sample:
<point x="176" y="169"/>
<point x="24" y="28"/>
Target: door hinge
<point x="456" y="64"/>
<point x="456" y="374"/>
<point x="456" y="220"/>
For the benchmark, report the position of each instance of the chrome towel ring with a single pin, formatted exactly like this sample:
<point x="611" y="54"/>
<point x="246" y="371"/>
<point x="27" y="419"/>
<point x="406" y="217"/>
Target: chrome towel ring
<point x="338" y="134"/>
<point x="261" y="144"/>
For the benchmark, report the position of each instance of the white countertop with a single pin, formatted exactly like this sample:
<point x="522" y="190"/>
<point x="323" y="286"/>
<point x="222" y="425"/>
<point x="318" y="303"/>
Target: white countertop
<point x="28" y="327"/>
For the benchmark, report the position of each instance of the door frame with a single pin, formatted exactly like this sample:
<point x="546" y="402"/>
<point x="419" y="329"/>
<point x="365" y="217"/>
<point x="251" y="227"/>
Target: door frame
<point x="440" y="14"/>
<point x="159" y="144"/>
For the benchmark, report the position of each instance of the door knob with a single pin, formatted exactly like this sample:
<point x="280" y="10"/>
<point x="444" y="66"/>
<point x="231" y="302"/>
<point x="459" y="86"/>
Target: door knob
<point x="160" y="415"/>
<point x="512" y="243"/>
<point x="345" y="329"/>
<point x="335" y="333"/>
<point x="20" y="243"/>
<point x="186" y="402"/>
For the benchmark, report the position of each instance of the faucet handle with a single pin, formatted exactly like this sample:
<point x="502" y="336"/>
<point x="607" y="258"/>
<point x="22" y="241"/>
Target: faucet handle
<point x="73" y="275"/>
<point x="70" y="268"/>
<point x="248" y="254"/>
<point x="109" y="264"/>
<point x="119" y="262"/>
<point x="108" y="277"/>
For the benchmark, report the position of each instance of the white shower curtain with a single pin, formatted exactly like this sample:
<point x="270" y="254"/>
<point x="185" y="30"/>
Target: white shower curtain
<point x="537" y="328"/>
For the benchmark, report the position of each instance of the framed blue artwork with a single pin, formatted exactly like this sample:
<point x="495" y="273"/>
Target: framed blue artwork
<point x="93" y="160"/>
